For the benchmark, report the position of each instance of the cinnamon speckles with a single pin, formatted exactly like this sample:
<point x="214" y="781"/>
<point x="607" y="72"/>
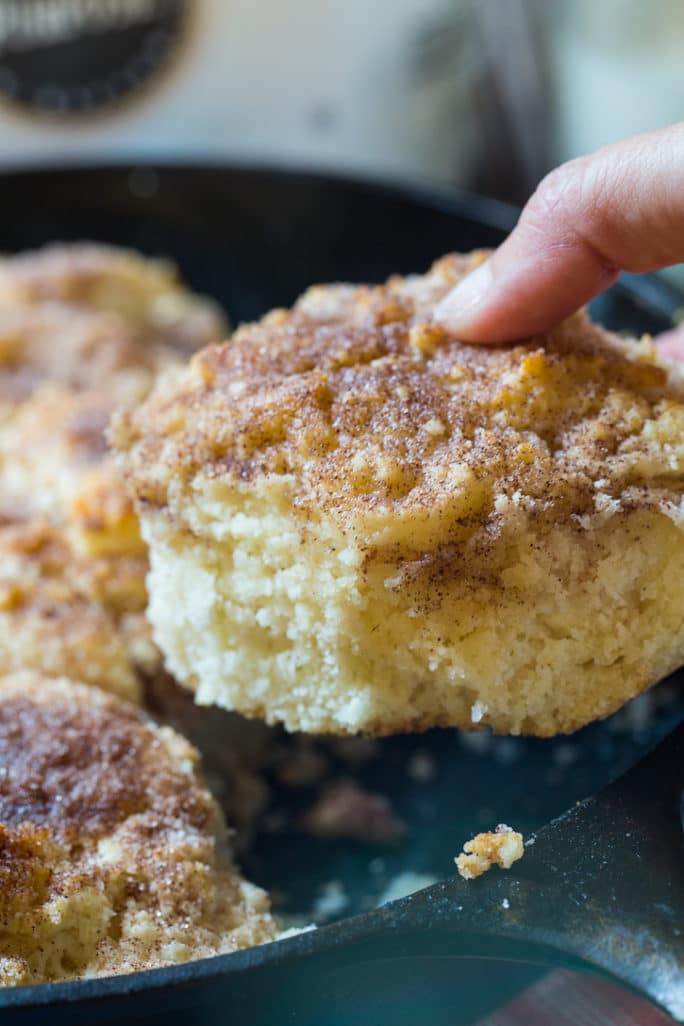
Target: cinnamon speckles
<point x="113" y="854"/>
<point x="359" y="376"/>
<point x="78" y="764"/>
<point x="376" y="527"/>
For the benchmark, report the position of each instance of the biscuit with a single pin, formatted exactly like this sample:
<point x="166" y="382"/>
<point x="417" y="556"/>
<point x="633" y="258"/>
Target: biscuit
<point x="145" y="294"/>
<point x="72" y="562"/>
<point x="113" y="854"/>
<point x="90" y="316"/>
<point x="357" y="523"/>
<point x="54" y="463"/>
<point x="74" y="615"/>
<point x="76" y="348"/>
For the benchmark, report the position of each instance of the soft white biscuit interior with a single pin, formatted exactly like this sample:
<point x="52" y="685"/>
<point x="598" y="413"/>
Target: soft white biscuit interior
<point x="279" y="619"/>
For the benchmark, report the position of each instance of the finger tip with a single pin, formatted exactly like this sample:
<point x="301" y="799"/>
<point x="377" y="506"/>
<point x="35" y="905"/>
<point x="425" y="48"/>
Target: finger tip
<point x="461" y="326"/>
<point x="460" y="310"/>
<point x="461" y="331"/>
<point x="477" y="327"/>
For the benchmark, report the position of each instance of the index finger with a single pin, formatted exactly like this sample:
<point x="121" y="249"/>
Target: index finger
<point x="621" y="208"/>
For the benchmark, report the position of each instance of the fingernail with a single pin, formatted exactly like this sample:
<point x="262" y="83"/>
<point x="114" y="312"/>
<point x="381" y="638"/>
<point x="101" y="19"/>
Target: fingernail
<point x="460" y="306"/>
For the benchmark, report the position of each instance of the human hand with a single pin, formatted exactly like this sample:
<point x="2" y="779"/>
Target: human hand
<point x="621" y="208"/>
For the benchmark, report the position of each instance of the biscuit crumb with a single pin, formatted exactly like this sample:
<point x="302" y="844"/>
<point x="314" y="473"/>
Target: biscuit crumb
<point x="477" y="711"/>
<point x="501" y="847"/>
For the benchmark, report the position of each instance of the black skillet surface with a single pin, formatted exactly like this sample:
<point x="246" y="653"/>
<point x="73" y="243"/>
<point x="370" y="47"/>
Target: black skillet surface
<point x="255" y="239"/>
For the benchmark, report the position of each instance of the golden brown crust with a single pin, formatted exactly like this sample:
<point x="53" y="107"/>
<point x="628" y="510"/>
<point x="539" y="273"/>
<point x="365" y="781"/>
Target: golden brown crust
<point x="501" y="847"/>
<point x="380" y="416"/>
<point x="95" y="317"/>
<point x="146" y="295"/>
<point x="54" y="462"/>
<point x="72" y="563"/>
<point x="82" y="328"/>
<point x="79" y="348"/>
<point x="77" y="763"/>
<point x="25" y="854"/>
<point x="71" y="614"/>
<point x="112" y="852"/>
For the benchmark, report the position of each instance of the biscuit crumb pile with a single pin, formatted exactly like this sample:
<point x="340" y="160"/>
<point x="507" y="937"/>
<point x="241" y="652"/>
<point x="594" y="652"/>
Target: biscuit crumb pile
<point x="501" y="847"/>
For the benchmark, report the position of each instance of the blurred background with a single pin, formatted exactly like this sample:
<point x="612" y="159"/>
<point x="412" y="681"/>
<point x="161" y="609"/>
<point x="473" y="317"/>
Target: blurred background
<point x="479" y="94"/>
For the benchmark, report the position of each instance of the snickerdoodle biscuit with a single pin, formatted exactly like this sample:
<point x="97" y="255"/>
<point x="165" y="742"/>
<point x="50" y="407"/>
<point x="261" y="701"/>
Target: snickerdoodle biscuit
<point x="357" y="523"/>
<point x="113" y="854"/>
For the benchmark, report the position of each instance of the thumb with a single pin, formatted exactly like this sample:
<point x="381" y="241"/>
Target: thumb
<point x="621" y="208"/>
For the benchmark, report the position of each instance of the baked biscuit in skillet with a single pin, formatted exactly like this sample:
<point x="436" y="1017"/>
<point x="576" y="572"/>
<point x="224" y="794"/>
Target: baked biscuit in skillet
<point x="72" y="562"/>
<point x="357" y="523"/>
<point x="146" y="295"/>
<point x="113" y="854"/>
<point x="71" y="614"/>
<point x="55" y="463"/>
<point x="89" y="316"/>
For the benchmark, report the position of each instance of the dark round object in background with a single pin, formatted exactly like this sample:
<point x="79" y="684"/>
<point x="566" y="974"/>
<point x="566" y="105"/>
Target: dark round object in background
<point x="70" y="57"/>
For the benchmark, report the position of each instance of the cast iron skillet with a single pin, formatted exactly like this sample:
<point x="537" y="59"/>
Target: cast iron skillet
<point x="255" y="239"/>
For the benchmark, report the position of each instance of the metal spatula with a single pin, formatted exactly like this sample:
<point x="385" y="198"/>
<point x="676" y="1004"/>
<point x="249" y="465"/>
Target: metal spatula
<point x="599" y="889"/>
